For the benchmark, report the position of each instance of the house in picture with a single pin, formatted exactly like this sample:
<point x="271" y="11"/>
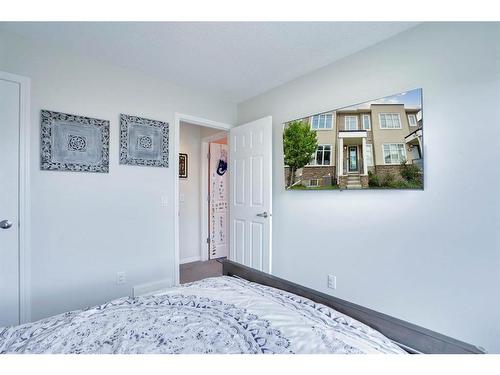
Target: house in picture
<point x="414" y="143"/>
<point x="320" y="172"/>
<point x="370" y="140"/>
<point x="376" y="140"/>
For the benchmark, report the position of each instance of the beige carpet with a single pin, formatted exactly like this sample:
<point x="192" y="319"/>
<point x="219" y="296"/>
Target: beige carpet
<point x="194" y="271"/>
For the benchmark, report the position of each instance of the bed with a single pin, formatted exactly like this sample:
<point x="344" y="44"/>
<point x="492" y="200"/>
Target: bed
<point x="245" y="311"/>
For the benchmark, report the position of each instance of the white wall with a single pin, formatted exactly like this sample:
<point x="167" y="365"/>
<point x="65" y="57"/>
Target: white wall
<point x="189" y="195"/>
<point x="86" y="227"/>
<point x="432" y="257"/>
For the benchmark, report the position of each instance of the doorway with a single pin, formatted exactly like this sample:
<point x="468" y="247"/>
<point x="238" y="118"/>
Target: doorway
<point x="250" y="216"/>
<point x="203" y="200"/>
<point x="353" y="158"/>
<point x="215" y="173"/>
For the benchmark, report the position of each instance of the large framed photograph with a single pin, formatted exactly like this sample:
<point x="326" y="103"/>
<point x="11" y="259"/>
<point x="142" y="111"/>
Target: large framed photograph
<point x="143" y="141"/>
<point x="372" y="145"/>
<point x="73" y="143"/>
<point x="183" y="165"/>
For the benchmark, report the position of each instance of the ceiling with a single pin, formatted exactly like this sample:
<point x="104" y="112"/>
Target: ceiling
<point x="233" y="60"/>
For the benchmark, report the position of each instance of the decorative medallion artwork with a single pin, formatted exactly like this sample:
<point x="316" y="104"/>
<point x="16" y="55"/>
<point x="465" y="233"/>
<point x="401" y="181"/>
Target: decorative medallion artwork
<point x="73" y="143"/>
<point x="143" y="141"/>
<point x="77" y="143"/>
<point x="183" y="165"/>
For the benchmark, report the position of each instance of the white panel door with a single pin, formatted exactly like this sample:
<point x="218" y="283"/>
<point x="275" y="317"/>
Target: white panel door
<point x="251" y="194"/>
<point x="9" y="201"/>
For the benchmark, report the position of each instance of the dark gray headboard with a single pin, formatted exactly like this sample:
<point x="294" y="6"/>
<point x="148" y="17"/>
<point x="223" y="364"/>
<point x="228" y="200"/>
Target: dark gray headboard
<point x="410" y="337"/>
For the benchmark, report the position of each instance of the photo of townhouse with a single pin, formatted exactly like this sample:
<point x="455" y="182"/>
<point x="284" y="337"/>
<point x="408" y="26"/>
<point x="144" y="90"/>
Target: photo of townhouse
<point x="372" y="145"/>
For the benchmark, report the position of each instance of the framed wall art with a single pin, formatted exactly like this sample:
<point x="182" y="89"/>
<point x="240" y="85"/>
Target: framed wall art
<point x="183" y="165"/>
<point x="373" y="145"/>
<point x="73" y="143"/>
<point x="143" y="141"/>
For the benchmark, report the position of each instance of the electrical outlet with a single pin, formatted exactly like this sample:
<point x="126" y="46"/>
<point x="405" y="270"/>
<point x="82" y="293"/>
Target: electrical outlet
<point x="164" y="201"/>
<point x="332" y="281"/>
<point x="120" y="278"/>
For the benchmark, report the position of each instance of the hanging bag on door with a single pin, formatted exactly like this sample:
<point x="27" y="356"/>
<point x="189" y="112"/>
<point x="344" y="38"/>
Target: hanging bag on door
<point x="222" y="165"/>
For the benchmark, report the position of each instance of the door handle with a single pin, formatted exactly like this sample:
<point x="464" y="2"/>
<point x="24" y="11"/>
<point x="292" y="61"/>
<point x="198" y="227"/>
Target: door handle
<point x="264" y="215"/>
<point x="5" y="224"/>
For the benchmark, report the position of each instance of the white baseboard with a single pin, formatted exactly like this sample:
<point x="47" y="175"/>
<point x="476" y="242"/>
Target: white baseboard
<point x="140" y="290"/>
<point x="190" y="259"/>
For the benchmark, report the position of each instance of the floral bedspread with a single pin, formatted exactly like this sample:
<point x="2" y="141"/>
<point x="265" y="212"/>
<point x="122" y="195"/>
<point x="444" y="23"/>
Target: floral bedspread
<point x="215" y="315"/>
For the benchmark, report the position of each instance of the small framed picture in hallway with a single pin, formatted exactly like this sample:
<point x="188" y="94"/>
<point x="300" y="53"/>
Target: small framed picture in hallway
<point x="373" y="145"/>
<point x="183" y="165"/>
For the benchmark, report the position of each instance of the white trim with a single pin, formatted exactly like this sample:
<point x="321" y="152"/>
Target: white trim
<point x="316" y="166"/>
<point x="415" y="135"/>
<point x="389" y="113"/>
<point x="371" y="155"/>
<point x="311" y="119"/>
<point x="315" y="153"/>
<point x="24" y="196"/>
<point x="363" y="122"/>
<point x="194" y="120"/>
<point x="363" y="149"/>
<point x="149" y="288"/>
<point x="409" y="122"/>
<point x="204" y="249"/>
<point x="314" y="179"/>
<point x="178" y="117"/>
<point x="383" y="155"/>
<point x="196" y="258"/>
<point x="353" y="134"/>
<point x="340" y="163"/>
<point x="345" y="122"/>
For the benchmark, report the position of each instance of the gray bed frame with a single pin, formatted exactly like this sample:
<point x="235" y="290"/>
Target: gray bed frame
<point x="410" y="337"/>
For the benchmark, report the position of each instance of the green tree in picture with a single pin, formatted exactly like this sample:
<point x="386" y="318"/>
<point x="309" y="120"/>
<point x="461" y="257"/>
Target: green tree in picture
<point x="299" y="143"/>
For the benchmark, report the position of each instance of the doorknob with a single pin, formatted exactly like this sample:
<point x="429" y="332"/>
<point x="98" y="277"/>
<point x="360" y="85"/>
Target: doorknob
<point x="5" y="224"/>
<point x="264" y="215"/>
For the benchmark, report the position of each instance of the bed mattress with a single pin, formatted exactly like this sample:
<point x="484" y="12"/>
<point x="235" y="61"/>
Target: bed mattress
<point x="222" y="315"/>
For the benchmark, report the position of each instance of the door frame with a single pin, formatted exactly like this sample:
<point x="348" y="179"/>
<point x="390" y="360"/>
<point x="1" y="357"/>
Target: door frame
<point x="205" y="142"/>
<point x="349" y="159"/>
<point x="178" y="117"/>
<point x="24" y="195"/>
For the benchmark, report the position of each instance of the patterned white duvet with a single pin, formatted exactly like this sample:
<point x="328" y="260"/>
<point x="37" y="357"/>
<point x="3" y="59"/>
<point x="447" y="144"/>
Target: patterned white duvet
<point x="216" y="315"/>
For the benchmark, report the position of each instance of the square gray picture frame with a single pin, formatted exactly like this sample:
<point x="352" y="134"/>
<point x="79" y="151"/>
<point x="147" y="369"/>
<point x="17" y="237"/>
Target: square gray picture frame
<point x="73" y="143"/>
<point x="143" y="142"/>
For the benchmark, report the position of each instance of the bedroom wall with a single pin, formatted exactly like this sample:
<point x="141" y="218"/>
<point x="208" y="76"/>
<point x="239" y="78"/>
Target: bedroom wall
<point x="87" y="227"/>
<point x="189" y="195"/>
<point x="431" y="257"/>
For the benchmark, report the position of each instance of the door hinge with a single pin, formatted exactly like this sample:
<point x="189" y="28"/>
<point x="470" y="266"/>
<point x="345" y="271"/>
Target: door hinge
<point x="208" y="240"/>
<point x="208" y="198"/>
<point x="208" y="156"/>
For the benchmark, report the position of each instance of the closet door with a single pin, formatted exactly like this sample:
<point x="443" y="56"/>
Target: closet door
<point x="9" y="201"/>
